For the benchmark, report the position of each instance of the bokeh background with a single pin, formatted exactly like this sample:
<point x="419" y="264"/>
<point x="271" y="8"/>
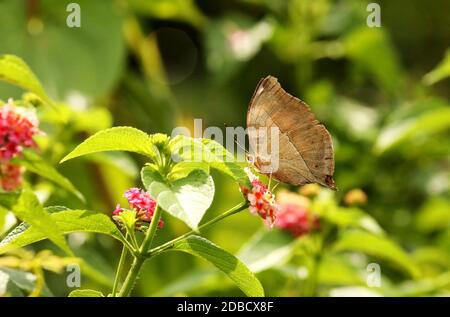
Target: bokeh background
<point x="383" y="93"/>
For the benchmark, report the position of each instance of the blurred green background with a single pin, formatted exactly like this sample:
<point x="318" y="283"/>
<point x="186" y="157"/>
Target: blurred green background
<point x="383" y="93"/>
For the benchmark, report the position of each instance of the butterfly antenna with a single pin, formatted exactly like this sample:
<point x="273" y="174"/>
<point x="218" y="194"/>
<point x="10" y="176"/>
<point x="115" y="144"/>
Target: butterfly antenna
<point x="274" y="187"/>
<point x="270" y="178"/>
<point x="238" y="144"/>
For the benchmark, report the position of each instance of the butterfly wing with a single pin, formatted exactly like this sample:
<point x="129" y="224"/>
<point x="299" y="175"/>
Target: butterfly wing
<point x="305" y="146"/>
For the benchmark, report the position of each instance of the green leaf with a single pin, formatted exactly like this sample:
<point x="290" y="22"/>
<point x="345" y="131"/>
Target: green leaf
<point x="34" y="163"/>
<point x="425" y="124"/>
<point x="93" y="54"/>
<point x="373" y="54"/>
<point x="210" y="152"/>
<point x="266" y="249"/>
<point x="67" y="221"/>
<point x="19" y="280"/>
<point x="182" y="10"/>
<point x="351" y="217"/>
<point x="28" y="209"/>
<point x="440" y="72"/>
<point x="15" y="71"/>
<point x="380" y="247"/>
<point x="116" y="139"/>
<point x="187" y="198"/>
<point x="85" y="293"/>
<point x="224" y="261"/>
<point x="337" y="270"/>
<point x="183" y="169"/>
<point x="434" y="215"/>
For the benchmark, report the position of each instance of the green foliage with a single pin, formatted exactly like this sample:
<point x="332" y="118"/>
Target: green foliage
<point x="67" y="221"/>
<point x="15" y="71"/>
<point x="380" y="247"/>
<point x="34" y="163"/>
<point x="381" y="92"/>
<point x="66" y="63"/>
<point x="85" y="293"/>
<point x="440" y="72"/>
<point x="187" y="198"/>
<point x="224" y="261"/>
<point x="18" y="283"/>
<point x="115" y="139"/>
<point x="30" y="210"/>
<point x="209" y="152"/>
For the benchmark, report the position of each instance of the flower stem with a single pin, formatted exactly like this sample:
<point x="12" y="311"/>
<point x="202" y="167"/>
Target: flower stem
<point x="143" y="252"/>
<point x="170" y="243"/>
<point x="139" y="258"/>
<point x="123" y="256"/>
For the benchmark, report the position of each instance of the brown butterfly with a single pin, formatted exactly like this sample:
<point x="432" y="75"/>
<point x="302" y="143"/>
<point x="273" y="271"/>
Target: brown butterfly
<point x="304" y="151"/>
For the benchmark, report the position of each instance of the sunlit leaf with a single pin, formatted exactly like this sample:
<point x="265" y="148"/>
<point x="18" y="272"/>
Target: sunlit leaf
<point x="266" y="249"/>
<point x="67" y="221"/>
<point x="187" y="198"/>
<point x="15" y="71"/>
<point x="440" y="72"/>
<point x="85" y="293"/>
<point x="115" y="139"/>
<point x="434" y="215"/>
<point x="34" y="163"/>
<point x="380" y="247"/>
<point x="210" y="152"/>
<point x="425" y="124"/>
<point x="14" y="281"/>
<point x="28" y="209"/>
<point x="226" y="262"/>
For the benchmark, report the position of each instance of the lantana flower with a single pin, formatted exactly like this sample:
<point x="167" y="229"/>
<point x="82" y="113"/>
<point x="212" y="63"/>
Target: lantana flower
<point x="294" y="216"/>
<point x="260" y="198"/>
<point x="18" y="126"/>
<point x="142" y="204"/>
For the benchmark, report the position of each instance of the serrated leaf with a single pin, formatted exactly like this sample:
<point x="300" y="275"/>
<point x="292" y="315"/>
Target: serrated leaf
<point x="115" y="139"/>
<point x="377" y="246"/>
<point x="85" y="293"/>
<point x="28" y="209"/>
<point x="224" y="261"/>
<point x="34" y="163"/>
<point x="210" y="152"/>
<point x="187" y="198"/>
<point x="15" y="71"/>
<point x="68" y="221"/>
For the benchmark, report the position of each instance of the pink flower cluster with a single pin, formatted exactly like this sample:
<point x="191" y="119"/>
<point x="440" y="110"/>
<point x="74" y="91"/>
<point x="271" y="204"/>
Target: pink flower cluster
<point x="261" y="199"/>
<point x="142" y="203"/>
<point x="17" y="128"/>
<point x="295" y="219"/>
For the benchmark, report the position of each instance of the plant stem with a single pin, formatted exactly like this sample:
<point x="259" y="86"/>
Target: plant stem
<point x="139" y="258"/>
<point x="170" y="243"/>
<point x="123" y="256"/>
<point x="143" y="252"/>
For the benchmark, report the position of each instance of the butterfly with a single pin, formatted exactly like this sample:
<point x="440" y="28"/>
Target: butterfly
<point x="302" y="149"/>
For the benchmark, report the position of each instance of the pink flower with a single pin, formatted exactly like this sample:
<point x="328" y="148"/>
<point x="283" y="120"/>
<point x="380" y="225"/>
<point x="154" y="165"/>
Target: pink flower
<point x="260" y="198"/>
<point x="295" y="219"/>
<point x="17" y="128"/>
<point x="10" y="176"/>
<point x="142" y="203"/>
